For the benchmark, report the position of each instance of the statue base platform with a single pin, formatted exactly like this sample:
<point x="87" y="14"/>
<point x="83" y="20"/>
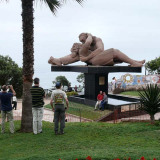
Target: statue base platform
<point x="96" y="77"/>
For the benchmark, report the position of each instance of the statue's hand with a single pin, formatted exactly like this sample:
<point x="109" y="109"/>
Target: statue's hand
<point x="83" y="59"/>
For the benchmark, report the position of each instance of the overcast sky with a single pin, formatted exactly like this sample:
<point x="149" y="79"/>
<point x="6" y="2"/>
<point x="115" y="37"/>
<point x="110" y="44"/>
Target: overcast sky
<point x="132" y="26"/>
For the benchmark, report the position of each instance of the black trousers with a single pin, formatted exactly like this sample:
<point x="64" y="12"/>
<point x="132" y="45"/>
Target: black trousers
<point x="14" y="105"/>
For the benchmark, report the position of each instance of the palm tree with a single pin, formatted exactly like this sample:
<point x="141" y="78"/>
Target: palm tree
<point x="150" y="100"/>
<point x="28" y="55"/>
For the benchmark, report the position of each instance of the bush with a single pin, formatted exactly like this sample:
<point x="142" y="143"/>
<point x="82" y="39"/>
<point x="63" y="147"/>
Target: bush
<point x="157" y="123"/>
<point x="73" y="93"/>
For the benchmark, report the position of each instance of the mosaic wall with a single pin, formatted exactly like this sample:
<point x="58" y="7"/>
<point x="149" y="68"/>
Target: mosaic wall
<point x="132" y="80"/>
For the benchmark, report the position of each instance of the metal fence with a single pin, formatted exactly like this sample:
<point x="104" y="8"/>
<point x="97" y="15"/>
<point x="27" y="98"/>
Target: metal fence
<point x="128" y="113"/>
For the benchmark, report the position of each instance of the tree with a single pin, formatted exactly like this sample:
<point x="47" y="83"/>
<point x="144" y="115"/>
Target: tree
<point x="63" y="80"/>
<point x="28" y="56"/>
<point x="153" y="66"/>
<point x="80" y="78"/>
<point x="150" y="100"/>
<point x="10" y="73"/>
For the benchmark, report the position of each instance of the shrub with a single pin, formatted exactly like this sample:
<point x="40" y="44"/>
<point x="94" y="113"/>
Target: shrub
<point x="150" y="100"/>
<point x="73" y="93"/>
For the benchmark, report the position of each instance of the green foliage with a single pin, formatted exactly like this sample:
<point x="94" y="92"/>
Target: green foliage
<point x="63" y="80"/>
<point x="157" y="123"/>
<point x="11" y="74"/>
<point x="153" y="66"/>
<point x="73" y="93"/>
<point x="131" y="93"/>
<point x="98" y="140"/>
<point x="54" y="5"/>
<point x="80" y="78"/>
<point x="150" y="100"/>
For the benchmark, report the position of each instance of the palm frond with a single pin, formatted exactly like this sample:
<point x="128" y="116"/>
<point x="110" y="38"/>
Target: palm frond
<point x="4" y="0"/>
<point x="78" y="1"/>
<point x="54" y="5"/>
<point x="150" y="99"/>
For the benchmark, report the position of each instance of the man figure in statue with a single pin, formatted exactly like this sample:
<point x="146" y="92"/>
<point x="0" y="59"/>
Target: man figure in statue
<point x="91" y="51"/>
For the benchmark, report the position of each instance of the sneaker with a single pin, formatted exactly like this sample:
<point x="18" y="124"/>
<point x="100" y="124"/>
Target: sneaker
<point x="56" y="133"/>
<point x="62" y="132"/>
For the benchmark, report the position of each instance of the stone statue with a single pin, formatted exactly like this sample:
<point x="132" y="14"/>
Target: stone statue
<point x="92" y="52"/>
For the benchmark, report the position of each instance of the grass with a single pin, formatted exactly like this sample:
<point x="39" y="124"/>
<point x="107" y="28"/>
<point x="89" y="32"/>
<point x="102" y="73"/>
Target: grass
<point x="98" y="140"/>
<point x="131" y="93"/>
<point x="85" y="111"/>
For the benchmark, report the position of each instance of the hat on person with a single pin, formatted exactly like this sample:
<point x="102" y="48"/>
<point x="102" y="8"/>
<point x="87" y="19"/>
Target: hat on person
<point x="58" y="84"/>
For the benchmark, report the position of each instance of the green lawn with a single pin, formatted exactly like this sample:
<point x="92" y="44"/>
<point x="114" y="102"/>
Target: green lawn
<point x="98" y="140"/>
<point x="84" y="110"/>
<point x="131" y="93"/>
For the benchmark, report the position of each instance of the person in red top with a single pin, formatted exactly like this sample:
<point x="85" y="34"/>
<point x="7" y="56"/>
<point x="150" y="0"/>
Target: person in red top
<point x="99" y="99"/>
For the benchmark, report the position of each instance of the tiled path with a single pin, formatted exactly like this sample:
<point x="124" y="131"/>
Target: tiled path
<point x="48" y="114"/>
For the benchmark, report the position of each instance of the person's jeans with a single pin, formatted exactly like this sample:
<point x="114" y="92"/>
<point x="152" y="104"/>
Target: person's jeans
<point x="59" y="115"/>
<point x="103" y="104"/>
<point x="37" y="119"/>
<point x="9" y="115"/>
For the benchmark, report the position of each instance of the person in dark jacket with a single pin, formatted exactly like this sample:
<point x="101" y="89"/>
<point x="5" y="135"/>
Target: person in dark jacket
<point x="6" y="107"/>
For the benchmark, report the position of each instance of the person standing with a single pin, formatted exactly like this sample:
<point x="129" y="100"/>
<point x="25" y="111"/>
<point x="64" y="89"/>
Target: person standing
<point x="6" y="107"/>
<point x="113" y="83"/>
<point x="14" y="102"/>
<point x="0" y="104"/>
<point x="58" y="96"/>
<point x="38" y="95"/>
<point x="75" y="88"/>
<point x="99" y="99"/>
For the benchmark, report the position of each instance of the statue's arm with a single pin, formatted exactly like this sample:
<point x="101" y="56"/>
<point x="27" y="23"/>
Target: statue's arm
<point x="100" y="49"/>
<point x="88" y="41"/>
<point x="73" y="54"/>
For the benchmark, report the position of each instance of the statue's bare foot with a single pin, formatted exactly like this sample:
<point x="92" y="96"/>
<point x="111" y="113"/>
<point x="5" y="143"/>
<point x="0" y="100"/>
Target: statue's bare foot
<point x="136" y="64"/>
<point x="54" y="61"/>
<point x="142" y="62"/>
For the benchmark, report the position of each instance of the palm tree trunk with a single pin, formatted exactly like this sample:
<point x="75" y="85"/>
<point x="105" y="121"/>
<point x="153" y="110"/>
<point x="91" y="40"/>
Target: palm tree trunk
<point x="28" y="62"/>
<point x="152" y="119"/>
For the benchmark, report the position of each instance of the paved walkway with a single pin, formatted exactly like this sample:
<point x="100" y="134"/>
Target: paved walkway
<point x="48" y="114"/>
